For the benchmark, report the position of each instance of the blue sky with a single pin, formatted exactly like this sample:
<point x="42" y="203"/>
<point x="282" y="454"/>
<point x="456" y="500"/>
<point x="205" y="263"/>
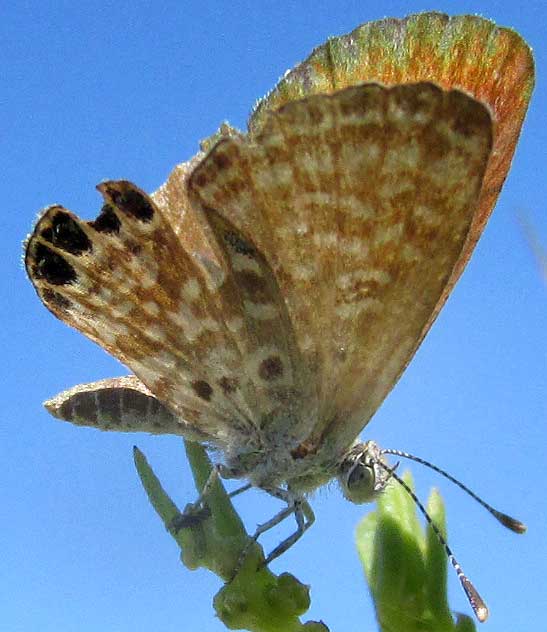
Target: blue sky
<point x="96" y="90"/>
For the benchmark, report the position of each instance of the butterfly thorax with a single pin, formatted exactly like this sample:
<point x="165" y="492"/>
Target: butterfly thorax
<point x="360" y="469"/>
<point x="283" y="461"/>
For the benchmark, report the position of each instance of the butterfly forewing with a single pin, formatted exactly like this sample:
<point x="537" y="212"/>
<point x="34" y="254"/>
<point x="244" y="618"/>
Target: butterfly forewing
<point x="491" y="63"/>
<point x="361" y="203"/>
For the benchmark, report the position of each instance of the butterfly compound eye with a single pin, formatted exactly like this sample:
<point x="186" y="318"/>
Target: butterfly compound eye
<point x="359" y="483"/>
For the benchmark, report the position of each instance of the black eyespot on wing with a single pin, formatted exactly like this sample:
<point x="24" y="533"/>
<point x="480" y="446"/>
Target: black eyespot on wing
<point x="65" y="233"/>
<point x="107" y="221"/>
<point x="203" y="389"/>
<point x="271" y="368"/>
<point x="128" y="200"/>
<point x="52" y="267"/>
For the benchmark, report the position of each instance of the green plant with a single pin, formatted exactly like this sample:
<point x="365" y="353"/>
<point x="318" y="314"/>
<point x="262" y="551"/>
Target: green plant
<point x="405" y="567"/>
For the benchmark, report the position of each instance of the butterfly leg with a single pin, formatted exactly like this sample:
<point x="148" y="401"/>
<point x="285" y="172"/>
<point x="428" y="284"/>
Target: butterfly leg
<point x="305" y="517"/>
<point x="198" y="510"/>
<point x="240" y="490"/>
<point x="262" y="528"/>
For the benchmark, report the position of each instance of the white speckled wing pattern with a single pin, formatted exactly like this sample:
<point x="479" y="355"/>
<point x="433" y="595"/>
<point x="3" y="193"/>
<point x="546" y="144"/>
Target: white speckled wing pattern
<point x="126" y="282"/>
<point x="295" y="291"/>
<point x="361" y="203"/>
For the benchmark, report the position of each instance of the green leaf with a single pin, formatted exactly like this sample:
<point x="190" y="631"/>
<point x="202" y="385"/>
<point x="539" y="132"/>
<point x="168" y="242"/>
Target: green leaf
<point x="253" y="598"/>
<point x="406" y="567"/>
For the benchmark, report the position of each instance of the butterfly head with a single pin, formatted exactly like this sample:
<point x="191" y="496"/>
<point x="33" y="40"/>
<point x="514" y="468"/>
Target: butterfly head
<point x="362" y="473"/>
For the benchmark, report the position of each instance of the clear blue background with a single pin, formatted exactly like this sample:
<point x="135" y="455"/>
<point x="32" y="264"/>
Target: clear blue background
<point x="95" y="90"/>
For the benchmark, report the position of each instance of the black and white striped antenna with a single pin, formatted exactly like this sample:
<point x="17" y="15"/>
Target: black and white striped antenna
<point x="476" y="601"/>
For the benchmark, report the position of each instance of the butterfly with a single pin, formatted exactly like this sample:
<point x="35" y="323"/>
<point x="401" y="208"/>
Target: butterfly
<point x="268" y="298"/>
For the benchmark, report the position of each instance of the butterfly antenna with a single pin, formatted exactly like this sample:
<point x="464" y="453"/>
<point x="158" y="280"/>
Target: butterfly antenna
<point x="507" y="521"/>
<point x="476" y="601"/>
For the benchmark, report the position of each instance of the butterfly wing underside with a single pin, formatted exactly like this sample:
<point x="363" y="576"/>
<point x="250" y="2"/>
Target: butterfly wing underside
<point x="492" y="63"/>
<point x="332" y="234"/>
<point x="126" y="281"/>
<point x="361" y="203"/>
